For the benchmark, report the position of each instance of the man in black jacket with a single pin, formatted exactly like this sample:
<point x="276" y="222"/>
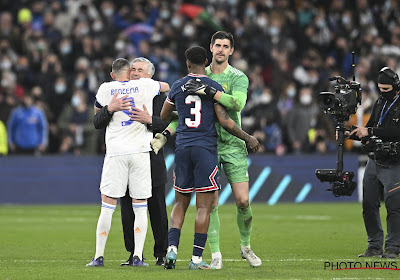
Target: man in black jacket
<point x="382" y="173"/>
<point x="143" y="68"/>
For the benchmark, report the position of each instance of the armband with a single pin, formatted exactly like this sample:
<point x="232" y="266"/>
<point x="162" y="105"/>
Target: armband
<point x="166" y="133"/>
<point x="210" y="91"/>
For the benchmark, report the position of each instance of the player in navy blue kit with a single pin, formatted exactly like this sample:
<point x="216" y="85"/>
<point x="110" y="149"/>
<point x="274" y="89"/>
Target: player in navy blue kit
<point x="196" y="158"/>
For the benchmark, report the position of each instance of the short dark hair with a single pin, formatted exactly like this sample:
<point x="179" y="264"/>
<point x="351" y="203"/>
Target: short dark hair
<point x="222" y="35"/>
<point x="119" y="64"/>
<point x="196" y="55"/>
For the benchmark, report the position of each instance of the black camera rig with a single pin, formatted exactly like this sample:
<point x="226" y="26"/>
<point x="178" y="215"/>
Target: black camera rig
<point x="341" y="181"/>
<point x="343" y="102"/>
<point x="340" y="105"/>
<point x="379" y="150"/>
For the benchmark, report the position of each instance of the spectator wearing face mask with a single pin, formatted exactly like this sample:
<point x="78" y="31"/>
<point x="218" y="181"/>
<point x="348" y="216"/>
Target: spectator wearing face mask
<point x="287" y="98"/>
<point x="300" y="119"/>
<point x="266" y="121"/>
<point x="58" y="95"/>
<point x="76" y="126"/>
<point x="27" y="128"/>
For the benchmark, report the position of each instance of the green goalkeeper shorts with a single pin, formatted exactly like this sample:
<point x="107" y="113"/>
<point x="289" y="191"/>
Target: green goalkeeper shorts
<point x="235" y="166"/>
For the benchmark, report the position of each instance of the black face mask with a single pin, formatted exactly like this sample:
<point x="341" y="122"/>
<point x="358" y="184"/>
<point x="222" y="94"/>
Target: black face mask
<point x="388" y="95"/>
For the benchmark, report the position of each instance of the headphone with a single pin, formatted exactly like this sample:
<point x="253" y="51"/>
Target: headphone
<point x="393" y="75"/>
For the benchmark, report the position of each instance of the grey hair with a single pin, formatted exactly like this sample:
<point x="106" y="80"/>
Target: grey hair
<point x="119" y="65"/>
<point x="151" y="68"/>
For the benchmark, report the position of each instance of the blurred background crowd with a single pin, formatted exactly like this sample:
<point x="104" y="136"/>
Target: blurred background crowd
<point x="55" y="54"/>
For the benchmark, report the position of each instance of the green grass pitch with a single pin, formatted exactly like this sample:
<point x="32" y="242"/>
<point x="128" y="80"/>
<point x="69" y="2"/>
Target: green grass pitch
<point x="293" y="240"/>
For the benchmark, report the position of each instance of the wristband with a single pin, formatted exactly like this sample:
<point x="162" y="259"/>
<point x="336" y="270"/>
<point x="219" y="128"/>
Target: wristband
<point x="166" y="133"/>
<point x="210" y="91"/>
<point x="370" y="131"/>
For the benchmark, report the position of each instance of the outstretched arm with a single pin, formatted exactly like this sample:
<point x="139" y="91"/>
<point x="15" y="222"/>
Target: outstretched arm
<point x="164" y="87"/>
<point x="229" y="125"/>
<point x="167" y="111"/>
<point x="235" y="102"/>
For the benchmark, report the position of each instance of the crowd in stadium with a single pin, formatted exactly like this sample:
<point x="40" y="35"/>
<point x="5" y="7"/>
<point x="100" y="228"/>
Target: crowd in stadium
<point x="60" y="52"/>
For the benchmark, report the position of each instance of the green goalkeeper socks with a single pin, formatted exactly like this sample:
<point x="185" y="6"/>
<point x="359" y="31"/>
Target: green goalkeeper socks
<point x="244" y="217"/>
<point x="213" y="230"/>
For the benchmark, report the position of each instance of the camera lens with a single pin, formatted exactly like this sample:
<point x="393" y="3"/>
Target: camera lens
<point x="327" y="100"/>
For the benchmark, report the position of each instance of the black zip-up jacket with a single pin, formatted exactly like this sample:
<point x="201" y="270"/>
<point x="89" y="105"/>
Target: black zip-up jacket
<point x="389" y="130"/>
<point x="158" y="169"/>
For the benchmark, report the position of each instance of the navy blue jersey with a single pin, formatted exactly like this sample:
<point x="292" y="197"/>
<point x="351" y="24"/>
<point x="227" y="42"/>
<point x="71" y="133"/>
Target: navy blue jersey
<point x="196" y="113"/>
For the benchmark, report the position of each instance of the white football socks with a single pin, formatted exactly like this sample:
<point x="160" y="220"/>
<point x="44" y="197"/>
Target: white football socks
<point x="173" y="248"/>
<point x="139" y="227"/>
<point x="103" y="227"/>
<point x="216" y="255"/>
<point x="197" y="259"/>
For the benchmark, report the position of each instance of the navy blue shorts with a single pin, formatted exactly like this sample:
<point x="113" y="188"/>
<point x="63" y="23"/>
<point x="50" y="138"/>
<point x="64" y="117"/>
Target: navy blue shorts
<point x="196" y="169"/>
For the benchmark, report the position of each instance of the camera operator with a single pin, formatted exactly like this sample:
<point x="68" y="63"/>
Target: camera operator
<point x="382" y="173"/>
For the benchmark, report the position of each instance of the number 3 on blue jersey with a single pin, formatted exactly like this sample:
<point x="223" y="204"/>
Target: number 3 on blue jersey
<point x="196" y="111"/>
<point x="125" y="123"/>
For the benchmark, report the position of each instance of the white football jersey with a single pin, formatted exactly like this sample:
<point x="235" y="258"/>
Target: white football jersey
<point x="124" y="136"/>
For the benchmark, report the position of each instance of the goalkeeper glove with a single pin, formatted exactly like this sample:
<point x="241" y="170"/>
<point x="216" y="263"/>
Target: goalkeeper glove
<point x="159" y="140"/>
<point x="197" y="86"/>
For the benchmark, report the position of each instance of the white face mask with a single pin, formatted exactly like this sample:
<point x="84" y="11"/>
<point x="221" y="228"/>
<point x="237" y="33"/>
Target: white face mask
<point x="176" y="22"/>
<point x="164" y="14"/>
<point x="97" y="26"/>
<point x="79" y="83"/>
<point x="291" y="92"/>
<point x="6" y="65"/>
<point x="84" y="30"/>
<point x="250" y="12"/>
<point x="306" y="99"/>
<point x="119" y="45"/>
<point x="262" y="22"/>
<point x="108" y="12"/>
<point x="66" y="49"/>
<point x="265" y="98"/>
<point x="76" y="101"/>
<point x="188" y="30"/>
<point x="60" y="88"/>
<point x="345" y="20"/>
<point x="273" y="31"/>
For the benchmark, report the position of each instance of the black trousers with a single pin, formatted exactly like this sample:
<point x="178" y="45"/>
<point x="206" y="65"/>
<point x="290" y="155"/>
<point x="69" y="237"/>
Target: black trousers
<point x="378" y="179"/>
<point x="158" y="221"/>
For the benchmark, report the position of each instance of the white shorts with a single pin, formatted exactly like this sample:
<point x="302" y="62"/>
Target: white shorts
<point x="131" y="170"/>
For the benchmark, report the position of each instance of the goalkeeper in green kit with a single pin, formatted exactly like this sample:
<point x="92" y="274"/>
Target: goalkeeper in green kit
<point x="232" y="152"/>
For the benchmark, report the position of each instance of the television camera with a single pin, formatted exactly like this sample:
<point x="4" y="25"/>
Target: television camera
<point x="341" y="105"/>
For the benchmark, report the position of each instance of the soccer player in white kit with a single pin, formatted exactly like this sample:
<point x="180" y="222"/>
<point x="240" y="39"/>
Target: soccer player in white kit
<point x="127" y="161"/>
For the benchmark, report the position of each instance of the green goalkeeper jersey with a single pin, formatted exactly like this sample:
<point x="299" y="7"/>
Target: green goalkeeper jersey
<point x="235" y="84"/>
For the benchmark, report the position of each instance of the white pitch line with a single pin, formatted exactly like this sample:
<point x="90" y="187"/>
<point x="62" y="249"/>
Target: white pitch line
<point x="181" y="260"/>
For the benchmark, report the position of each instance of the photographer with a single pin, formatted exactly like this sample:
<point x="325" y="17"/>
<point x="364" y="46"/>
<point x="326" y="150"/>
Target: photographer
<point x="382" y="173"/>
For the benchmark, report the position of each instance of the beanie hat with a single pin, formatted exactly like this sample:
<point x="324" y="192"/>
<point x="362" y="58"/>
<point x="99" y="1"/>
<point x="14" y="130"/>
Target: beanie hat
<point x="384" y="78"/>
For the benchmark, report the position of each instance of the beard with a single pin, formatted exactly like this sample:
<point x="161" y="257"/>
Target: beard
<point x="219" y="60"/>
